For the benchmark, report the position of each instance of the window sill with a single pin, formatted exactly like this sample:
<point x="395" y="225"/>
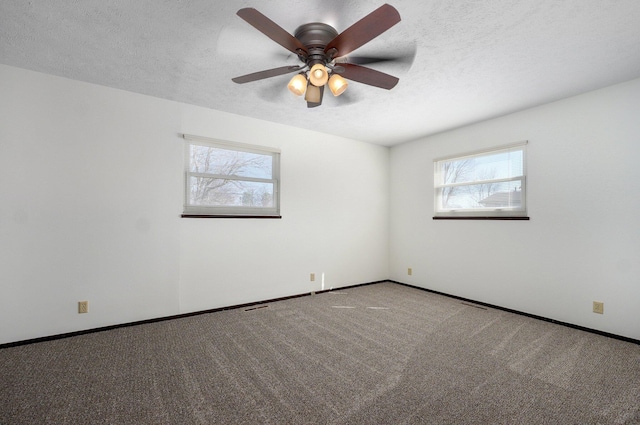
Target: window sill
<point x="480" y="218"/>
<point x="229" y="216"/>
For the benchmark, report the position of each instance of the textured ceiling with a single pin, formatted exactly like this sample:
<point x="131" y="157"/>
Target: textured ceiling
<point x="464" y="61"/>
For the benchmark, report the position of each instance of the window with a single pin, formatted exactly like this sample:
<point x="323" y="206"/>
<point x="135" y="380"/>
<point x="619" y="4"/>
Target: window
<point x="488" y="184"/>
<point x="230" y="180"/>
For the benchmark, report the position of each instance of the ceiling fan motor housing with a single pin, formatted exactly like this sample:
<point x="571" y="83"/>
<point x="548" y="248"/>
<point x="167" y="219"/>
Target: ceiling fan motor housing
<point x="315" y="36"/>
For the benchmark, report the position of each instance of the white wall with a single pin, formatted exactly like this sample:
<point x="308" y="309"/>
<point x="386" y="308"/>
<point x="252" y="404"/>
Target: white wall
<point x="334" y="206"/>
<point x="91" y="194"/>
<point x="583" y="240"/>
<point x="90" y="203"/>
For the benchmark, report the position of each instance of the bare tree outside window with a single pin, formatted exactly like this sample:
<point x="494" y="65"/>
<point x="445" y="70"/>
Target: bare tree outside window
<point x="222" y="180"/>
<point x="481" y="191"/>
<point x="225" y="167"/>
<point x="490" y="182"/>
<point x="454" y="172"/>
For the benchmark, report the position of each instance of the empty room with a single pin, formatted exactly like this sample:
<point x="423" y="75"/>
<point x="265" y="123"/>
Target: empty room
<point x="421" y="212"/>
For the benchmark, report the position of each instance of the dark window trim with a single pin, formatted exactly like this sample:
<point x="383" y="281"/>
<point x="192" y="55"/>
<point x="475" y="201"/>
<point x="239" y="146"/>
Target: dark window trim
<point x="481" y="218"/>
<point x="229" y="216"/>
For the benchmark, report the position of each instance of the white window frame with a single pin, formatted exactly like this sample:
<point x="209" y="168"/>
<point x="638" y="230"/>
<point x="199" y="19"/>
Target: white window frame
<point x="481" y="213"/>
<point x="231" y="211"/>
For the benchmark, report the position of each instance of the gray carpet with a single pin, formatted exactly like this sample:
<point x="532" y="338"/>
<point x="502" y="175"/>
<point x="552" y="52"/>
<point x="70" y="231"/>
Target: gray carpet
<point x="377" y="354"/>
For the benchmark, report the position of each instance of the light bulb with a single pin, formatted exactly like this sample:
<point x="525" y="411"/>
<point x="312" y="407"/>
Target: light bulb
<point x="318" y="75"/>
<point x="298" y="85"/>
<point x="337" y="84"/>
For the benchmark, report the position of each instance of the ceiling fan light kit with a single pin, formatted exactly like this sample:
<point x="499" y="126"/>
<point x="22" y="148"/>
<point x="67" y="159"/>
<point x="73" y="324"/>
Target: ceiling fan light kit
<point x="318" y="76"/>
<point x="337" y="84"/>
<point x="298" y="84"/>
<point x="313" y="94"/>
<point x="317" y="46"/>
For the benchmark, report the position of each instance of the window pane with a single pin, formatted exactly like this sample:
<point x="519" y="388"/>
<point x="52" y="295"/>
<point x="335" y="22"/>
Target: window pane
<point x="482" y="184"/>
<point x="211" y="160"/>
<point x="206" y="191"/>
<point x="224" y="179"/>
<point x="498" y="165"/>
<point x="480" y="196"/>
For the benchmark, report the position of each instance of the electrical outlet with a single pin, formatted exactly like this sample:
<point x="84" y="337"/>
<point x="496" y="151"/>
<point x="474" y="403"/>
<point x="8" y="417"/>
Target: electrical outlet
<point x="83" y="307"/>
<point x="410" y="271"/>
<point x="312" y="277"/>
<point x="598" y="307"/>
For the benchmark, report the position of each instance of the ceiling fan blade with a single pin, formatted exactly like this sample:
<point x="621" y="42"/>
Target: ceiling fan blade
<point x="363" y="31"/>
<point x="369" y="76"/>
<point x="404" y="58"/>
<point x="272" y="30"/>
<point x="315" y="104"/>
<point x="366" y="60"/>
<point x="266" y="74"/>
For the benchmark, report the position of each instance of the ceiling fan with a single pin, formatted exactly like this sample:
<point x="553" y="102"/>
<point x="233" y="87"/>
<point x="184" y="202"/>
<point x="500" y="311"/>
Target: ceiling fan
<point x="322" y="50"/>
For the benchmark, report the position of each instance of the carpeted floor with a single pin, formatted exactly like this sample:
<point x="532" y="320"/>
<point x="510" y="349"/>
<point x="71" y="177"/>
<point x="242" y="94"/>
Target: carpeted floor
<point x="376" y="354"/>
